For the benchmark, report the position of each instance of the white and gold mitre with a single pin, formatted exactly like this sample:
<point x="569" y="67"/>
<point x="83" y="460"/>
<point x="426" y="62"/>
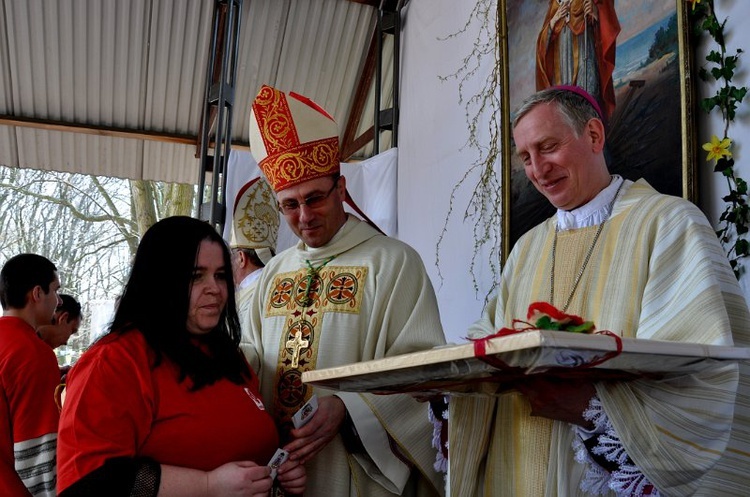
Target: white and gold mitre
<point x="292" y="138"/>
<point x="255" y="219"/>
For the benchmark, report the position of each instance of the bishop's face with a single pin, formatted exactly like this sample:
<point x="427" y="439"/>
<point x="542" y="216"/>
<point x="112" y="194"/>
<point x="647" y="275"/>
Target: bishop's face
<point x="318" y="211"/>
<point x="569" y="170"/>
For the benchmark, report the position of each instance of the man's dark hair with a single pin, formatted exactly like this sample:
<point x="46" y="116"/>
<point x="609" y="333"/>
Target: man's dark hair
<point x="69" y="305"/>
<point x="22" y="273"/>
<point x="156" y="301"/>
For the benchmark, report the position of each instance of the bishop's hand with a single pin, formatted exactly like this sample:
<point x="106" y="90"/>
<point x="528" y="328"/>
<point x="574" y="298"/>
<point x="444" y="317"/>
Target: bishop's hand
<point x="319" y="431"/>
<point x="558" y="398"/>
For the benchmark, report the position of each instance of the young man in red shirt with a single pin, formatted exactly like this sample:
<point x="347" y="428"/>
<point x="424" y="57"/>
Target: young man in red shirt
<point x="28" y="377"/>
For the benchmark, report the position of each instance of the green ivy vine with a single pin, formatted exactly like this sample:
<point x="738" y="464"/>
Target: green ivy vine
<point x="734" y="222"/>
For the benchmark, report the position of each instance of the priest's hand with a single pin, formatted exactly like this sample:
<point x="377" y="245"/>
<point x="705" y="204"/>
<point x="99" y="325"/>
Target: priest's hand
<point x="322" y="427"/>
<point x="562" y="399"/>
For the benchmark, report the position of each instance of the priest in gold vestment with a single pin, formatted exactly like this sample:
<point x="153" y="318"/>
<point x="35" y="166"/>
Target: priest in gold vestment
<point x="642" y="265"/>
<point x="345" y="293"/>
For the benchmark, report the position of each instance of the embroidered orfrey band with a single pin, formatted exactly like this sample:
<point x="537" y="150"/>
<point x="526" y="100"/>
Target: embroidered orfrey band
<point x="304" y="297"/>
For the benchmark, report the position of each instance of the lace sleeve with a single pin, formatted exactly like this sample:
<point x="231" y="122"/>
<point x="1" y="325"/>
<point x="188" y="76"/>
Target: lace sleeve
<point x="608" y="466"/>
<point x="119" y="477"/>
<point x="438" y="415"/>
<point x="147" y="479"/>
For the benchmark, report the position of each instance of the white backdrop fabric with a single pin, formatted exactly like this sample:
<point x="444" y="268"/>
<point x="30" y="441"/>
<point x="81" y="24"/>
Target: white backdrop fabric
<point x="434" y="156"/>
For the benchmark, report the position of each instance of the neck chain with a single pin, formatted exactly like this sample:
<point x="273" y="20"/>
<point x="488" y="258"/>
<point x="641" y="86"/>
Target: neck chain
<point x="312" y="274"/>
<point x="585" y="260"/>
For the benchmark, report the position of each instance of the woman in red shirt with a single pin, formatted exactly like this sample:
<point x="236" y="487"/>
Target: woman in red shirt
<point x="165" y="404"/>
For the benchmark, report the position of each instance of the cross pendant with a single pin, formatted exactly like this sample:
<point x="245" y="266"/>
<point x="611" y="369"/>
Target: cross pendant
<point x="297" y="344"/>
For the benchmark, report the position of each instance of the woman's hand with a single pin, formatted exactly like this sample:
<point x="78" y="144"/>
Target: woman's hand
<point x="241" y="479"/>
<point x="292" y="477"/>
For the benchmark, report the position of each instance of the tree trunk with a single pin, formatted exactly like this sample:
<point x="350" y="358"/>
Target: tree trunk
<point x="179" y="199"/>
<point x="142" y="194"/>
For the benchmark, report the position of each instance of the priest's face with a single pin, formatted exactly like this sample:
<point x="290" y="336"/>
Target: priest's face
<point x="569" y="170"/>
<point x="314" y="209"/>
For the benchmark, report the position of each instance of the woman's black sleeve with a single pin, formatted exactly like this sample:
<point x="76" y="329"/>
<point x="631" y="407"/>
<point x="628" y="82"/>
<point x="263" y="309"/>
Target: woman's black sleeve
<point x="119" y="477"/>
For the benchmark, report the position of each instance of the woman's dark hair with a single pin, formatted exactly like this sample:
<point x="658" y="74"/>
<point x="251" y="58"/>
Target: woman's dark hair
<point x="156" y="301"/>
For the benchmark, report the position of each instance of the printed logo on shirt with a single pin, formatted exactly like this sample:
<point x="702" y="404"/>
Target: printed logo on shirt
<point x="255" y="399"/>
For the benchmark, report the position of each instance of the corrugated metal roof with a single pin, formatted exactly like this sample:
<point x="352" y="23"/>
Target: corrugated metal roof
<point x="140" y="66"/>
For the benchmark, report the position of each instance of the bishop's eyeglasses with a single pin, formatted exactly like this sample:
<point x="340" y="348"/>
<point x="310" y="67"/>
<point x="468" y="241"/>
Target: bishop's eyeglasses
<point x="313" y="201"/>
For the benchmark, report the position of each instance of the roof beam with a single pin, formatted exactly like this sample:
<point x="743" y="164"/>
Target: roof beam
<point x="371" y="3"/>
<point x="108" y="131"/>
<point x="215" y="75"/>
<point x="383" y="4"/>
<point x="349" y="145"/>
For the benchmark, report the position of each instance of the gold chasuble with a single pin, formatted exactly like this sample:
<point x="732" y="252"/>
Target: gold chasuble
<point x="360" y="297"/>
<point x="658" y="272"/>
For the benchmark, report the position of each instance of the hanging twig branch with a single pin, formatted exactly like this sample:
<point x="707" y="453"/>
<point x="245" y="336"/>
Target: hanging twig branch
<point x="485" y="203"/>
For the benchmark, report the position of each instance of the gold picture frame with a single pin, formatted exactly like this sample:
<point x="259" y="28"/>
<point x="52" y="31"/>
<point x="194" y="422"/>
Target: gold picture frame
<point x="651" y="120"/>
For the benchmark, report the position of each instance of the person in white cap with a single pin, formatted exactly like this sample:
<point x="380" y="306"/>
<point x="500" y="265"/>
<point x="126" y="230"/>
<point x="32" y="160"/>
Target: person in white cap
<point x="345" y="293"/>
<point x="255" y="229"/>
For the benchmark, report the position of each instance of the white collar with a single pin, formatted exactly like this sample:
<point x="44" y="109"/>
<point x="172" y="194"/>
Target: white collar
<point x="595" y="211"/>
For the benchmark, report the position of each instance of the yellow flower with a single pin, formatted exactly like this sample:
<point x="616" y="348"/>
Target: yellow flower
<point x="717" y="149"/>
<point x="694" y="2"/>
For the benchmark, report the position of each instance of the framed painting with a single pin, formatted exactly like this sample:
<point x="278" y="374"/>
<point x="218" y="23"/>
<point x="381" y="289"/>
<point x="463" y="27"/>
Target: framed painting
<point x="634" y="57"/>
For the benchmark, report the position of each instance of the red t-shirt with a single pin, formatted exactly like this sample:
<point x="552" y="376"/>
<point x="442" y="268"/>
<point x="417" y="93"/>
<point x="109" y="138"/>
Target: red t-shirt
<point x="28" y="413"/>
<point x="118" y="405"/>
